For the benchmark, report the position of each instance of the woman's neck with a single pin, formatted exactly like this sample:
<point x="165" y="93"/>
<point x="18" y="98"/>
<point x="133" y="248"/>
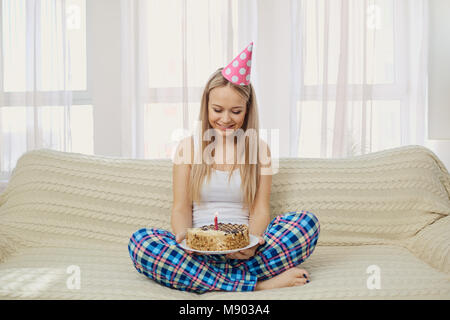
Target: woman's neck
<point x="225" y="154"/>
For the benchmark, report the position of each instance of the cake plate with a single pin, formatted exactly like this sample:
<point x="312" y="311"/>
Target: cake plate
<point x="253" y="242"/>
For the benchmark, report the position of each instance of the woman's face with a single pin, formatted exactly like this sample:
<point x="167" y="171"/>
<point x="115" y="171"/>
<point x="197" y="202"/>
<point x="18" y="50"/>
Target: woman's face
<point x="226" y="110"/>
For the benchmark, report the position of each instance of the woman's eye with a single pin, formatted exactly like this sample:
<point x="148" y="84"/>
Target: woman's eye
<point x="234" y="112"/>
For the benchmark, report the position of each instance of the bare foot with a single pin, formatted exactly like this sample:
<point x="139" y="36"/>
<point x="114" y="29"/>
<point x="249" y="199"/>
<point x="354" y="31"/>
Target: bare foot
<point x="289" y="278"/>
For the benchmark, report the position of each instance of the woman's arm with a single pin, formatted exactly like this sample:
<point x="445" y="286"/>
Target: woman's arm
<point x="181" y="218"/>
<point x="259" y="215"/>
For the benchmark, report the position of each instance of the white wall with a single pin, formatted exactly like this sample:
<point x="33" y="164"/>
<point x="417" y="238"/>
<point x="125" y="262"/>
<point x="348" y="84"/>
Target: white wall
<point x="104" y="58"/>
<point x="439" y="80"/>
<point x="439" y="70"/>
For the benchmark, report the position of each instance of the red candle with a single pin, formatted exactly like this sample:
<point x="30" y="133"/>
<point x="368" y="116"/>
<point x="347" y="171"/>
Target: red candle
<point x="216" y="226"/>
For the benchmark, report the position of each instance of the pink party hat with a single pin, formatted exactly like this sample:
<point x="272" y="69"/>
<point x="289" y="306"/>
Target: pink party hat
<point x="238" y="70"/>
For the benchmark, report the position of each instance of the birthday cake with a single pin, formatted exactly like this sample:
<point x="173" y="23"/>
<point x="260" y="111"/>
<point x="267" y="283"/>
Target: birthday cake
<point x="227" y="237"/>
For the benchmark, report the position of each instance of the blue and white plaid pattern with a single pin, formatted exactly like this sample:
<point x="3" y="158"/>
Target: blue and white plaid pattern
<point x="289" y="239"/>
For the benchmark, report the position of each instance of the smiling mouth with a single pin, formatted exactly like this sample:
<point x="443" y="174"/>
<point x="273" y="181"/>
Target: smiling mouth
<point x="224" y="128"/>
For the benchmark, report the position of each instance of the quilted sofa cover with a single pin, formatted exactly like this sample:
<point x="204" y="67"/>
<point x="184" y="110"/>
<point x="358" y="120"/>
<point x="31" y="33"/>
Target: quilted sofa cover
<point x="383" y="214"/>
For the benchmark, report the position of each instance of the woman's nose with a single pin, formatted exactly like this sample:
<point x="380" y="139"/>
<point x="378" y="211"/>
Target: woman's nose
<point x="226" y="118"/>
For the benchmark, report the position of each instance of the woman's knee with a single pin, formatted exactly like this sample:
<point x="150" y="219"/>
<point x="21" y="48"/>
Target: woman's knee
<point x="304" y="224"/>
<point x="152" y="234"/>
<point x="312" y="220"/>
<point x="304" y="218"/>
<point x="149" y="241"/>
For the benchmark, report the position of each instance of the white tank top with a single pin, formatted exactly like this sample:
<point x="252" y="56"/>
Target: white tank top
<point x="221" y="196"/>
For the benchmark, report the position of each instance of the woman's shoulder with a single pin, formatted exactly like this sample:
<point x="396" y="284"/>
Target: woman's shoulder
<point x="263" y="145"/>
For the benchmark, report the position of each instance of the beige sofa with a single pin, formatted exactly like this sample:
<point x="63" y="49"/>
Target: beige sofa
<point x="65" y="222"/>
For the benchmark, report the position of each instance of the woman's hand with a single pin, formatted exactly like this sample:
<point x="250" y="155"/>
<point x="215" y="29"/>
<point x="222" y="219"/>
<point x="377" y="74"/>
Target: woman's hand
<point x="180" y="237"/>
<point x="247" y="253"/>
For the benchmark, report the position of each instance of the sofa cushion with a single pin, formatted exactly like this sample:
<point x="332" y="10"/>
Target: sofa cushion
<point x="108" y="273"/>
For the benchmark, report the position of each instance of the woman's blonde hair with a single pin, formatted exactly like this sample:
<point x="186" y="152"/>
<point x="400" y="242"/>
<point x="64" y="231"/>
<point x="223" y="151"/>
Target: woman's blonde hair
<point x="249" y="170"/>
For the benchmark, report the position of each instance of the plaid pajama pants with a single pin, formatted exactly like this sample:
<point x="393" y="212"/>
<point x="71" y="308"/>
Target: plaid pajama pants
<point x="289" y="239"/>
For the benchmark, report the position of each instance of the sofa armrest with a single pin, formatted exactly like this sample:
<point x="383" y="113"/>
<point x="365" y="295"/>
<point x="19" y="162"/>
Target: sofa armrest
<point x="432" y="244"/>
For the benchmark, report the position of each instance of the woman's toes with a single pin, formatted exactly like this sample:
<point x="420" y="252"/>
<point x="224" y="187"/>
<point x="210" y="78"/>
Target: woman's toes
<point x="302" y="276"/>
<point x="300" y="282"/>
<point x="305" y="273"/>
<point x="299" y="273"/>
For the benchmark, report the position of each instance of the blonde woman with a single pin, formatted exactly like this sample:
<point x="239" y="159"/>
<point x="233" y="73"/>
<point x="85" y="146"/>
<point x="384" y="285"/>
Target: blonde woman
<point x="226" y="178"/>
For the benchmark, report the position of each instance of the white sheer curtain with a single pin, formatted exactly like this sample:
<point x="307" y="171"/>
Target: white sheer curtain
<point x="170" y="48"/>
<point x="363" y="76"/>
<point x="35" y="93"/>
<point x="334" y="77"/>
